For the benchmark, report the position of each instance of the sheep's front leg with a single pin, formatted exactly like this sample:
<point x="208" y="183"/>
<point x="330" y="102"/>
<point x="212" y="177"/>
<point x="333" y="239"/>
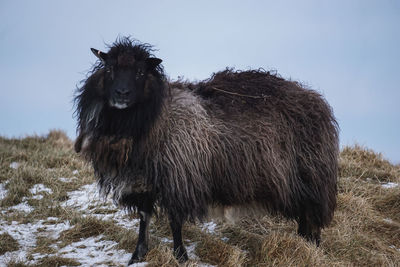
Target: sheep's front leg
<point x="179" y="249"/>
<point x="143" y="239"/>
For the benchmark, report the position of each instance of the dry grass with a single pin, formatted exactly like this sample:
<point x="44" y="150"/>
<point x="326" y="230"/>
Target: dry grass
<point x="84" y="227"/>
<point x="7" y="243"/>
<point x="365" y="230"/>
<point x="56" y="262"/>
<point x="361" y="163"/>
<point x="13" y="263"/>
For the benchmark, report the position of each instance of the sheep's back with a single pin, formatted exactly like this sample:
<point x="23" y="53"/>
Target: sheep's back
<point x="271" y="141"/>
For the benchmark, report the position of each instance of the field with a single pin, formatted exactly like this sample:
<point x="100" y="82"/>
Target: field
<point x="51" y="215"/>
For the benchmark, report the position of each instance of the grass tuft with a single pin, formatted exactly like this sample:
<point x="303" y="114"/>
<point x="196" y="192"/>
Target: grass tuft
<point x="56" y="261"/>
<point x="7" y="243"/>
<point x="362" y="163"/>
<point x="85" y="227"/>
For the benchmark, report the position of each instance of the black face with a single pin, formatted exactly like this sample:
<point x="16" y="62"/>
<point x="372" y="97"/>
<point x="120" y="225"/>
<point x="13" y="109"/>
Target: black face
<point x="125" y="78"/>
<point x="124" y="85"/>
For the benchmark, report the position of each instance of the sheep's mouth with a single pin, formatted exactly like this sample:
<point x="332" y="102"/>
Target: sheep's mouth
<point x="119" y="104"/>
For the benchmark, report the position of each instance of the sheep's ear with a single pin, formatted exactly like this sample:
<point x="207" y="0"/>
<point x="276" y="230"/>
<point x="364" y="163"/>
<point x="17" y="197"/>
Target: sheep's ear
<point x="152" y="62"/>
<point x="100" y="55"/>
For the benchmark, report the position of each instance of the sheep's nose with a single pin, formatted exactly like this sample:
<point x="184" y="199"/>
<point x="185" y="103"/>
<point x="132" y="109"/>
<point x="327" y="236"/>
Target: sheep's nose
<point x="122" y="92"/>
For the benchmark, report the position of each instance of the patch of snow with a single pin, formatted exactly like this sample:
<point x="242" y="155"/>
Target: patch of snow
<point x="25" y="235"/>
<point x="75" y="172"/>
<point x="82" y="198"/>
<point x="225" y="239"/>
<point x="37" y="188"/>
<point x="38" y="197"/>
<point x="3" y="191"/>
<point x="120" y="218"/>
<point x="22" y="207"/>
<point x="390" y="185"/>
<point x="387" y="220"/>
<point x="18" y="256"/>
<point x="166" y="240"/>
<point x="209" y="227"/>
<point x="66" y="180"/>
<point x="14" y="165"/>
<point x="190" y="249"/>
<point x="139" y="264"/>
<point x="36" y="257"/>
<point x="394" y="247"/>
<point x="54" y="230"/>
<point x="87" y="199"/>
<point x="94" y="251"/>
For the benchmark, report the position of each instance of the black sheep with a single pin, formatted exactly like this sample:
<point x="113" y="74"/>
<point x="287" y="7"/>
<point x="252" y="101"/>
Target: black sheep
<point x="240" y="138"/>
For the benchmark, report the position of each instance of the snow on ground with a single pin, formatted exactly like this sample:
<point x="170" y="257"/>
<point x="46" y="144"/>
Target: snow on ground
<point x="38" y="188"/>
<point x="94" y="251"/>
<point x="394" y="247"/>
<point x="140" y="264"/>
<point x="390" y="185"/>
<point x="14" y="165"/>
<point x="37" y="197"/>
<point x="26" y="235"/>
<point x="66" y="180"/>
<point x="225" y="239"/>
<point x="22" y="207"/>
<point x="166" y="240"/>
<point x="190" y="249"/>
<point x="86" y="199"/>
<point x="82" y="198"/>
<point x="209" y="227"/>
<point x="121" y="219"/>
<point x="3" y="191"/>
<point x="388" y="220"/>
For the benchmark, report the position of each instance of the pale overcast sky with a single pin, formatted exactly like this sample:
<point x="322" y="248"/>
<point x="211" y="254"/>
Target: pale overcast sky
<point x="347" y="50"/>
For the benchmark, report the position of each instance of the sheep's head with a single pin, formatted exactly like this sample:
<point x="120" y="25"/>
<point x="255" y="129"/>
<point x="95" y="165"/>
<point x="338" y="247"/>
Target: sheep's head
<point x="125" y="77"/>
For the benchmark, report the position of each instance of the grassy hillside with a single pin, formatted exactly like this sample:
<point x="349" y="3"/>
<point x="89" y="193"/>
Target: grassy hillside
<point x="52" y="216"/>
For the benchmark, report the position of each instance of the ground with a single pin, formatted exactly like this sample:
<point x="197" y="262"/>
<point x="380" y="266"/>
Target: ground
<point x="52" y="215"/>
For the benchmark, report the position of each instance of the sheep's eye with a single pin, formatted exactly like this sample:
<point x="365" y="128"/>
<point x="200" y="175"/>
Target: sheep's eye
<point x="110" y="71"/>
<point x="139" y="74"/>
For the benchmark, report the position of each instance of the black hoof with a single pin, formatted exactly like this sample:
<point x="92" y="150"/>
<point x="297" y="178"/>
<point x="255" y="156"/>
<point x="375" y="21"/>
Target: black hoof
<point x="312" y="237"/>
<point x="138" y="255"/>
<point x="135" y="259"/>
<point x="181" y="255"/>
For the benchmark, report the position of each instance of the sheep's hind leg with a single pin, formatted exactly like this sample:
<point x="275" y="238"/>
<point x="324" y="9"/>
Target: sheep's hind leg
<point x="309" y="230"/>
<point x="179" y="248"/>
<point x="143" y="239"/>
